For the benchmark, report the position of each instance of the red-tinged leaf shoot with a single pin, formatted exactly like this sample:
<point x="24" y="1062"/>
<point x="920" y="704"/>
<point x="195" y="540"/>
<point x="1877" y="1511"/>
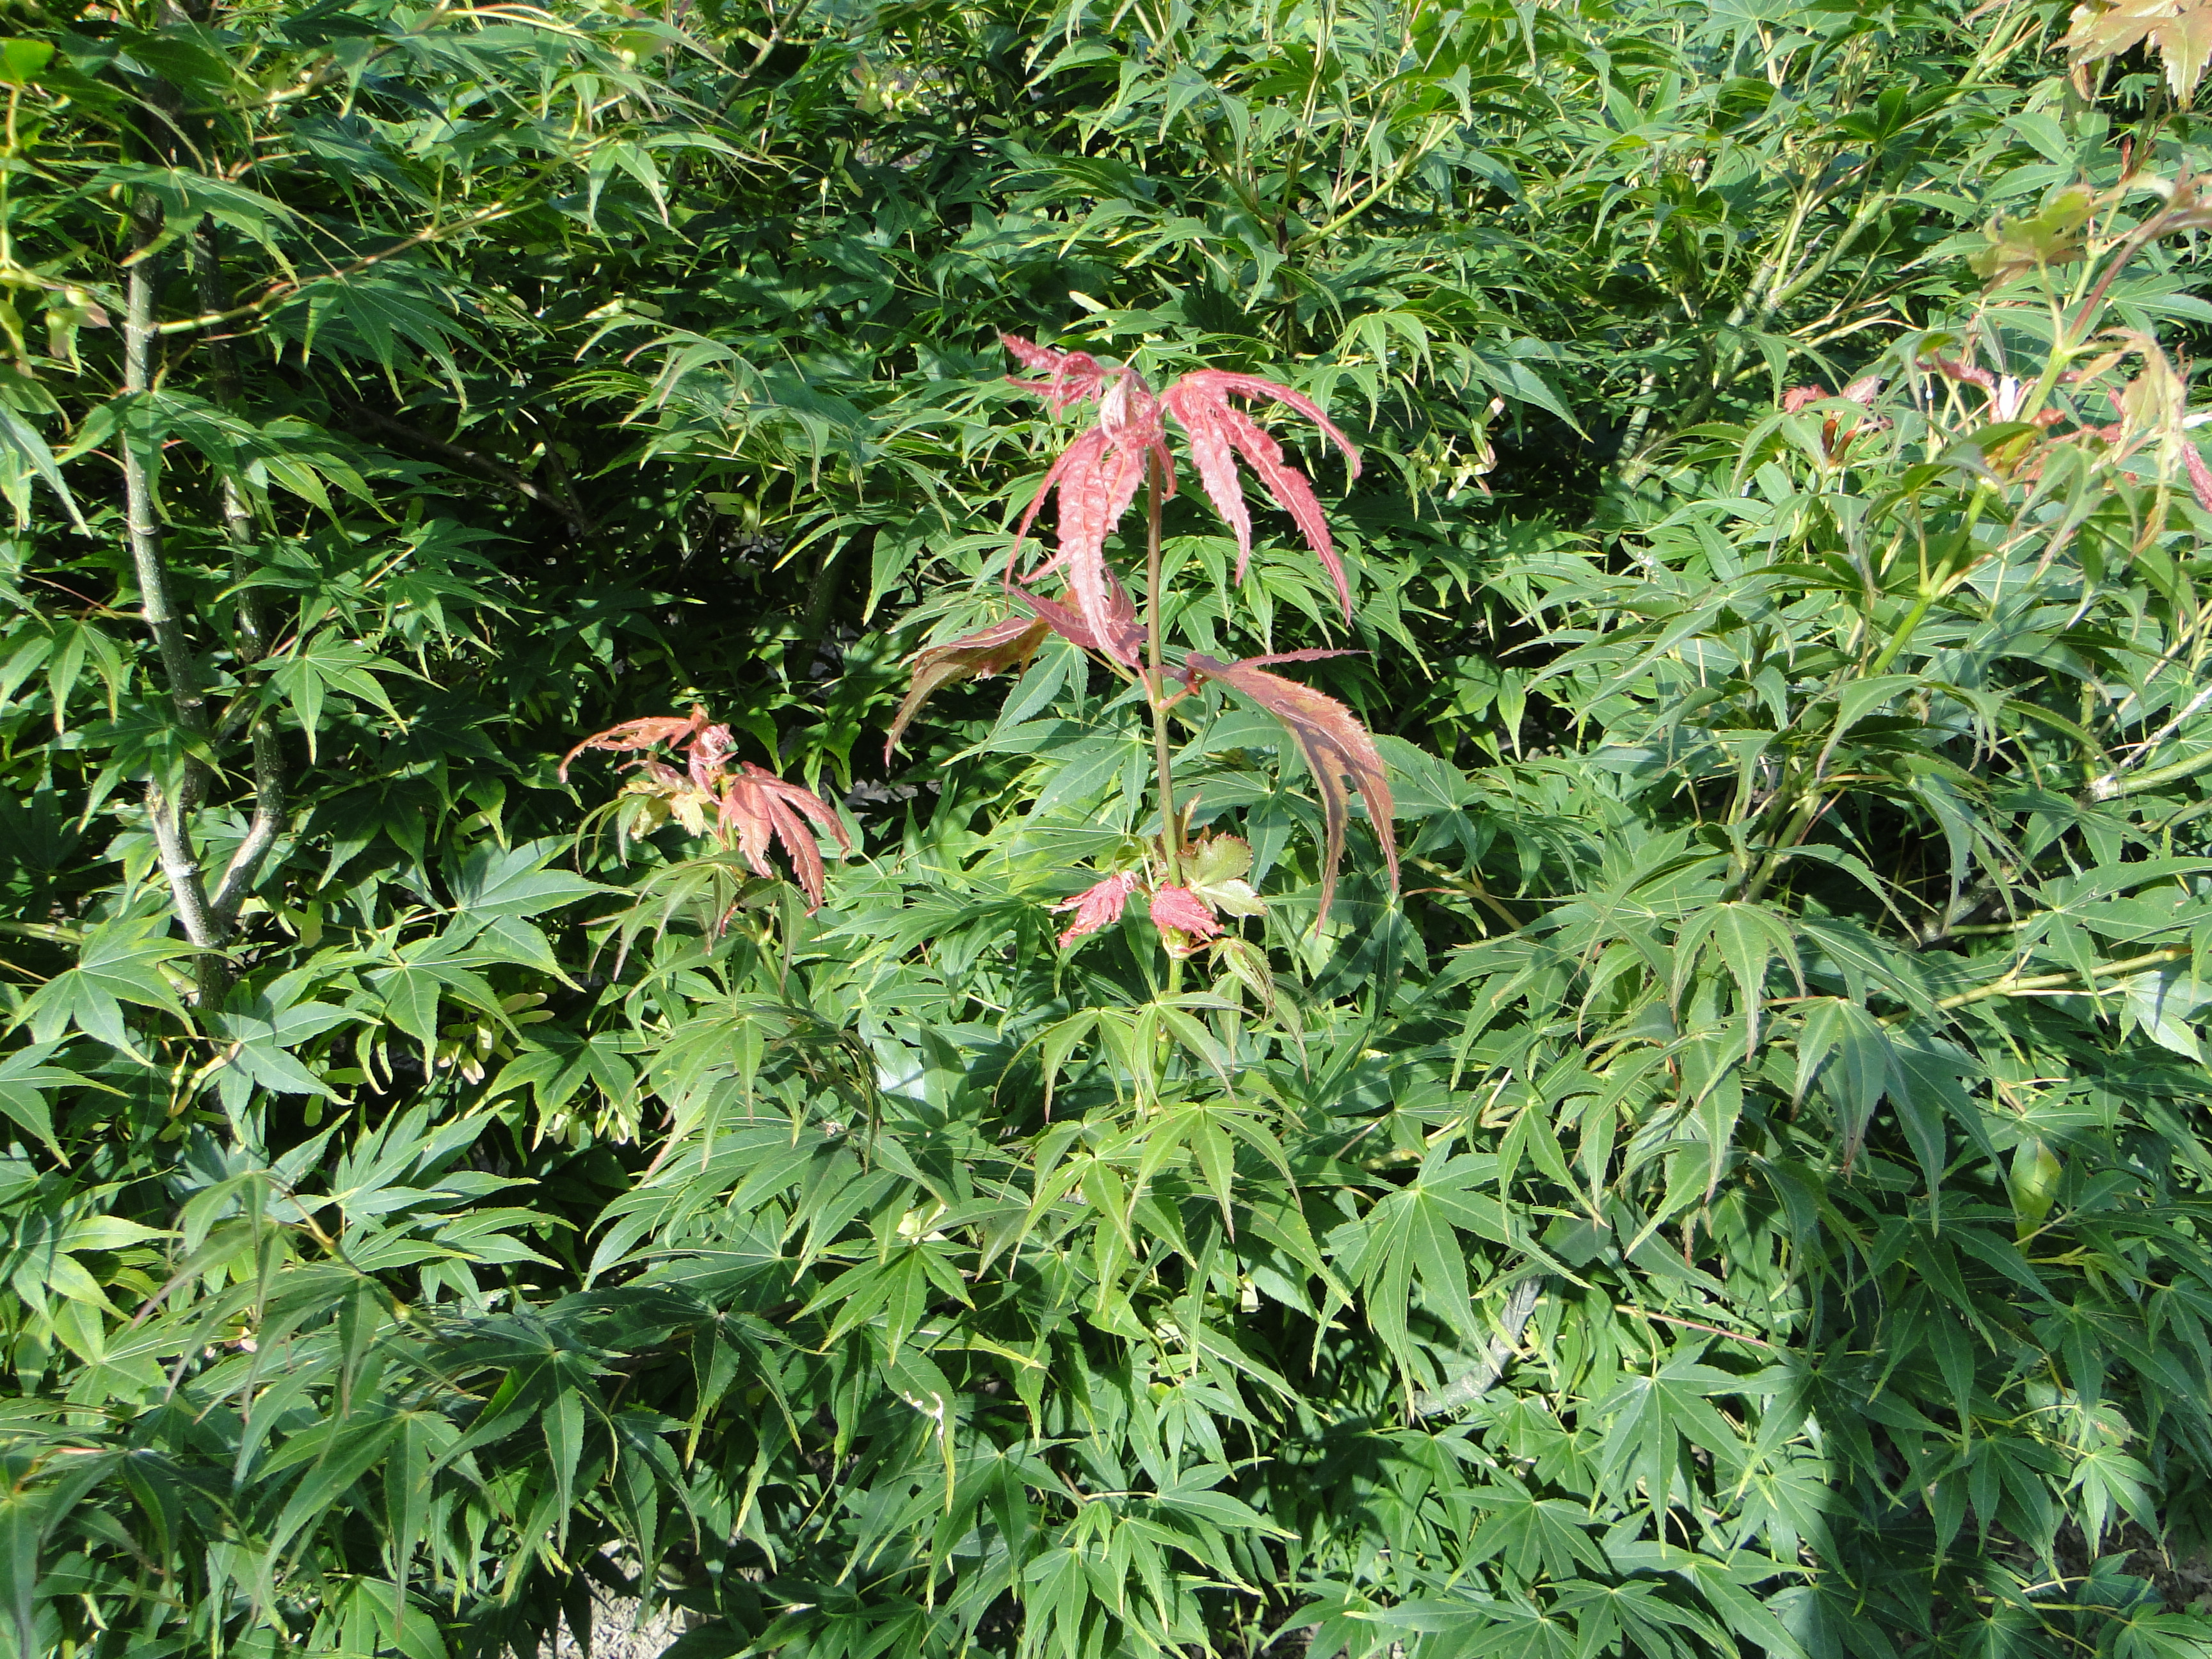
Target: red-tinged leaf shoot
<point x="1071" y="377"/>
<point x="1096" y="907"/>
<point x="756" y="804"/>
<point x="1071" y="627"/>
<point x="1097" y="477"/>
<point x="1183" y="918"/>
<point x="753" y="809"/>
<point x="1309" y="655"/>
<point x="2200" y="476"/>
<point x="673" y="729"/>
<point x="1335" y="747"/>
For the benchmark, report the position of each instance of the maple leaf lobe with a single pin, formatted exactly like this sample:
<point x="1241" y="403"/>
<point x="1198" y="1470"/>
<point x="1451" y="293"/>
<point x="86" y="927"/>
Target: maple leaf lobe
<point x="1179" y="910"/>
<point x="1097" y="906"/>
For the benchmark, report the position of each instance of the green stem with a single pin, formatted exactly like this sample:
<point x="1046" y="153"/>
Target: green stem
<point x="2013" y="984"/>
<point x="1896" y="641"/>
<point x="1800" y="820"/>
<point x="2114" y="785"/>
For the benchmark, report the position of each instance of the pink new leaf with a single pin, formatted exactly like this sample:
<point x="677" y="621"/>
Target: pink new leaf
<point x="1082" y="453"/>
<point x="1835" y="437"/>
<point x="2200" y="476"/>
<point x="1097" y="906"/>
<point x="1097" y="477"/>
<point x="1860" y="391"/>
<point x="1966" y="374"/>
<point x="993" y="650"/>
<point x="1309" y="655"/>
<point x="1070" y="376"/>
<point x="1179" y="910"/>
<point x="1069" y="626"/>
<point x="1219" y="431"/>
<point x="758" y="805"/>
<point x="708" y="750"/>
<point x="1336" y="745"/>
<point x="1091" y="502"/>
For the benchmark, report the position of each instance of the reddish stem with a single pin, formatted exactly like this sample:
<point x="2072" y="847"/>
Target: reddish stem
<point x="1155" y="685"/>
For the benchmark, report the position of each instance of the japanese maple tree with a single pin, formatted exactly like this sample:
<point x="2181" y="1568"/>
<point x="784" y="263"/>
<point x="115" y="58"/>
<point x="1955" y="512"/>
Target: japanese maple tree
<point x="1096" y="479"/>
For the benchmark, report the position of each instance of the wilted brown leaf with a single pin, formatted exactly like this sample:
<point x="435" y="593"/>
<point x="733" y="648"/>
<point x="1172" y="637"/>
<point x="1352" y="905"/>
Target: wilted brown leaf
<point x="993" y="650"/>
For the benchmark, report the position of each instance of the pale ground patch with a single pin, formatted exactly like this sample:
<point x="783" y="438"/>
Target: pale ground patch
<point x="618" y="1633"/>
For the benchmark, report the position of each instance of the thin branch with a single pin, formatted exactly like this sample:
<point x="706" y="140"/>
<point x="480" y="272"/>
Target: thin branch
<point x="1694" y="1325"/>
<point x="251" y="641"/>
<point x="141" y="525"/>
<point x="1469" y="884"/>
<point x="2111" y="788"/>
<point x="1471" y="1385"/>
<point x="278" y="292"/>
<point x="165" y="812"/>
<point x="474" y="460"/>
<point x="238" y="877"/>
<point x="2014" y="984"/>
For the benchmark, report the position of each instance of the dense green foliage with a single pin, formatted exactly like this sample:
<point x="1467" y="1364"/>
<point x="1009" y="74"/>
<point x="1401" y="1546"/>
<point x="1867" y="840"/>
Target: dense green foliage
<point x="1744" y="1191"/>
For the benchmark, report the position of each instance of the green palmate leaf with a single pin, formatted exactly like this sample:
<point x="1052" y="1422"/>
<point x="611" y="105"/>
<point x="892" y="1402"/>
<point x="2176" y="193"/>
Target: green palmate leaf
<point x="323" y="666"/>
<point x="369" y="1616"/>
<point x="1848" y="1051"/>
<point x="261" y="1036"/>
<point x="1217" y="874"/>
<point x="1746" y="939"/>
<point x="21" y="60"/>
<point x="26" y="1081"/>
<point x="495" y="882"/>
<point x="118" y="963"/>
<point x="23" y="453"/>
<point x="1086" y="772"/>
<point x="1412" y="1236"/>
<point x="335" y="1457"/>
<point x="1650" y="1416"/>
<point x="1532" y="1536"/>
<point x="73" y="646"/>
<point x="555" y="1071"/>
<point x="2163" y="1005"/>
<point x="29" y="1518"/>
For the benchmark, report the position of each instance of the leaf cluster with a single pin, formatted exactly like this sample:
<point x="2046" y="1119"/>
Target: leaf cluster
<point x="1744" y="1190"/>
